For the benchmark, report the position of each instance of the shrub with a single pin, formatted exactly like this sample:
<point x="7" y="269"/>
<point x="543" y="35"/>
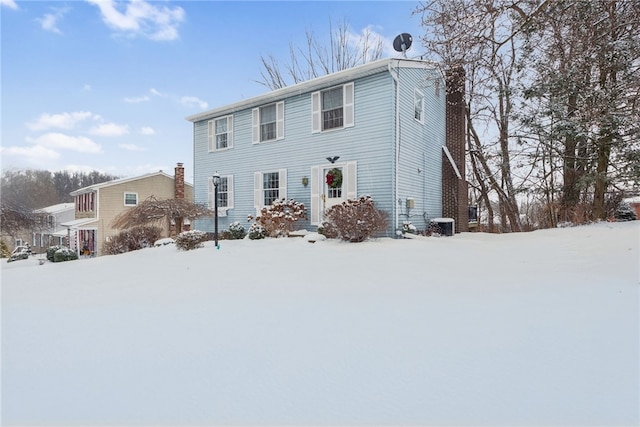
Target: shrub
<point x="625" y="212"/>
<point x="279" y="218"/>
<point x="192" y="239"/>
<point x="4" y="249"/>
<point x="356" y="220"/>
<point x="328" y="230"/>
<point x="237" y="231"/>
<point x="132" y="239"/>
<point x="51" y="251"/>
<point x="256" y="232"/>
<point x="64" y="254"/>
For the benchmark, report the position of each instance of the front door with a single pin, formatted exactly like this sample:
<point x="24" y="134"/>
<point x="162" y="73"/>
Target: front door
<point x="330" y="186"/>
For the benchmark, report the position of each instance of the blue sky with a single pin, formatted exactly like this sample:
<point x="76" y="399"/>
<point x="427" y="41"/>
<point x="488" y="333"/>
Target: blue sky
<point x="106" y="85"/>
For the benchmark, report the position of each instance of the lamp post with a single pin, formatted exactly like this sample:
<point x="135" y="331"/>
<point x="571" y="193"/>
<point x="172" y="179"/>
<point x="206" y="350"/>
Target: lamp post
<point x="216" y="182"/>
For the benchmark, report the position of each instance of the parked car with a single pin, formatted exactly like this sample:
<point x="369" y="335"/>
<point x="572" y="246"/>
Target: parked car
<point x="20" y="252"/>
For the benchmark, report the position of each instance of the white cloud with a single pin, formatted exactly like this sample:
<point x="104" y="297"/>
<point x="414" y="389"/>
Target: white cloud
<point x="64" y="121"/>
<point x="82" y="168"/>
<point x="36" y="152"/>
<point x="11" y="4"/>
<point x="136" y="99"/>
<point x="192" y="101"/>
<point x="132" y="147"/>
<point x="155" y="92"/>
<point x="110" y="129"/>
<point x="49" y="21"/>
<point x="140" y="18"/>
<point x="60" y="141"/>
<point x="147" y="130"/>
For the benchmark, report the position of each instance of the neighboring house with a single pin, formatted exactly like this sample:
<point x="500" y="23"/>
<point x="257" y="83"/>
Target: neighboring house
<point x="49" y="230"/>
<point x="98" y="205"/>
<point x="388" y="128"/>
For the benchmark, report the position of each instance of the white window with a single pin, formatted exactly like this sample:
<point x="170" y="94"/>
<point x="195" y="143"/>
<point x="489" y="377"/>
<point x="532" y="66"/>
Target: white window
<point x="221" y="133"/>
<point x="269" y="187"/>
<point x="225" y="193"/>
<point x="418" y="105"/>
<point x="332" y="108"/>
<point x="85" y="202"/>
<point x="268" y="123"/>
<point x="130" y="199"/>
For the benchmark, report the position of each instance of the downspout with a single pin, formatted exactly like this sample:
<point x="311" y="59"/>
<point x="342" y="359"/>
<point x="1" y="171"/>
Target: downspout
<point x="396" y="216"/>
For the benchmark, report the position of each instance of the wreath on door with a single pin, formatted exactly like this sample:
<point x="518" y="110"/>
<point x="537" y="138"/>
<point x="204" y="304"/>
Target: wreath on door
<point x="334" y="178"/>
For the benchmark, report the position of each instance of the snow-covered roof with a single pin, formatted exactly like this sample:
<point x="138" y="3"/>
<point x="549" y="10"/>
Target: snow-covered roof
<point x="317" y="83"/>
<point x="54" y="209"/>
<point x="77" y="222"/>
<point x="635" y="199"/>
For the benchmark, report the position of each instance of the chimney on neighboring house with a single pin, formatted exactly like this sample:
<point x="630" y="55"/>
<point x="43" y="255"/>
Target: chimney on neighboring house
<point x="179" y="181"/>
<point x="455" y="197"/>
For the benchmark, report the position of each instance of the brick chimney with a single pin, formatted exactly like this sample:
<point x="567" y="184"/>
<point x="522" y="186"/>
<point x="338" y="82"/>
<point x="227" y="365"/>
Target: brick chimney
<point x="455" y="197"/>
<point x="179" y="181"/>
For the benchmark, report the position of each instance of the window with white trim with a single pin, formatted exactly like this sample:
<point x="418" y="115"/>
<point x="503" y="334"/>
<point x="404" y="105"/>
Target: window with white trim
<point x="269" y="187"/>
<point x="130" y="199"/>
<point x="225" y="192"/>
<point x="268" y="123"/>
<point x="418" y="105"/>
<point x="332" y="108"/>
<point x="221" y="133"/>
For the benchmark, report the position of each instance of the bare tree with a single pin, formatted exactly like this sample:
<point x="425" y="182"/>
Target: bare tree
<point x="153" y="211"/>
<point x="318" y="57"/>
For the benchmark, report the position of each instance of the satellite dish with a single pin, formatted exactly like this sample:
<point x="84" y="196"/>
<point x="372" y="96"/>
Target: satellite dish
<point x="402" y="42"/>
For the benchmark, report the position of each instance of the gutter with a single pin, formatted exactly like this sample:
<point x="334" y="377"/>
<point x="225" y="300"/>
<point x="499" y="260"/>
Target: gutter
<point x="396" y="79"/>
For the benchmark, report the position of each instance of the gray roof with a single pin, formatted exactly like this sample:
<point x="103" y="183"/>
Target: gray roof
<point x="317" y="83"/>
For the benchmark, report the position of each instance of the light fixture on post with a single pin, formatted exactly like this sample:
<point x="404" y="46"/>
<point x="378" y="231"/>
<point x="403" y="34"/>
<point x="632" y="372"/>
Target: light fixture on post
<point x="216" y="182"/>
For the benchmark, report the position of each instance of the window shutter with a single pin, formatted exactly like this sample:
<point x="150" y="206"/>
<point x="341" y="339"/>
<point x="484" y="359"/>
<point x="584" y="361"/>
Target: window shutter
<point x="282" y="180"/>
<point x="255" y="125"/>
<point x="280" y="120"/>
<point x="212" y="136"/>
<point x="316" y="182"/>
<point x="352" y="180"/>
<point x="315" y="112"/>
<point x="348" y="105"/>
<point x="211" y="192"/>
<point x="230" y="191"/>
<point x="258" y="200"/>
<point x="230" y="132"/>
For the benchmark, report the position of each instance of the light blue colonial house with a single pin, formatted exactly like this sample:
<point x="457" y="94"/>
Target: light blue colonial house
<point x="389" y="129"/>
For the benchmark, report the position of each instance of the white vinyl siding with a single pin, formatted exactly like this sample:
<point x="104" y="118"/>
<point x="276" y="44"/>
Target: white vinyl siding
<point x="267" y="123"/>
<point x="220" y="133"/>
<point x="269" y="186"/>
<point x="332" y="108"/>
<point x="225" y="194"/>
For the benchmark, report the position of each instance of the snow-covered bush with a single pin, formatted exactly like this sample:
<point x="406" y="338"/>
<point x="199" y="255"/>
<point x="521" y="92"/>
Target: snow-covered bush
<point x="192" y="239"/>
<point x="625" y="212"/>
<point x="51" y="251"/>
<point x="356" y="220"/>
<point x="132" y="239"/>
<point x="64" y="254"/>
<point x="279" y="218"/>
<point x="256" y="232"/>
<point x="408" y="227"/>
<point x="237" y="231"/>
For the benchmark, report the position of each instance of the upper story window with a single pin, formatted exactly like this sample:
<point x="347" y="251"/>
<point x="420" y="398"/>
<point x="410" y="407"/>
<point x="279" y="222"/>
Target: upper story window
<point x="418" y="105"/>
<point x="268" y="123"/>
<point x="221" y="133"/>
<point x="85" y="202"/>
<point x="225" y="192"/>
<point x="332" y="108"/>
<point x="269" y="187"/>
<point x="130" y="199"/>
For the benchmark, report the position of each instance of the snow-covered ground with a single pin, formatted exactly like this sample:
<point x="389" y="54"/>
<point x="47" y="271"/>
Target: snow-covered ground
<point x="535" y="328"/>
